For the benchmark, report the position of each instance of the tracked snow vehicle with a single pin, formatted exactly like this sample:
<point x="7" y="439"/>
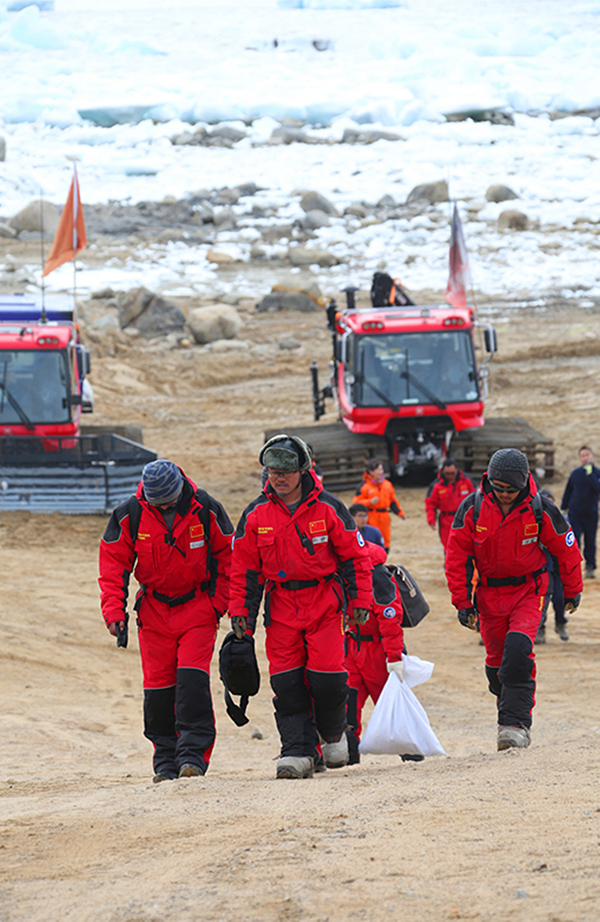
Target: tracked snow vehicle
<point x="49" y="462"/>
<point x="409" y="390"/>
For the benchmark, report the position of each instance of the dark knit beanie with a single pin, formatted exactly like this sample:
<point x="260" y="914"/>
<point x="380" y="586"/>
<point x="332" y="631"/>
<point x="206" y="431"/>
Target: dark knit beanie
<point x="509" y="465"/>
<point x="162" y="482"/>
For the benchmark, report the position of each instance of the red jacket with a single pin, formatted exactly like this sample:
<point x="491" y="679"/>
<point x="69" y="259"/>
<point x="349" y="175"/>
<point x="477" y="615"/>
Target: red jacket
<point x="445" y="498"/>
<point x="504" y="547"/>
<point x="170" y="562"/>
<point x="384" y="624"/>
<point x="320" y="538"/>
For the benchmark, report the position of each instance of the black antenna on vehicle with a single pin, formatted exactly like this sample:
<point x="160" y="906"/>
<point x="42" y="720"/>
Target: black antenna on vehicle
<point x="43" y="316"/>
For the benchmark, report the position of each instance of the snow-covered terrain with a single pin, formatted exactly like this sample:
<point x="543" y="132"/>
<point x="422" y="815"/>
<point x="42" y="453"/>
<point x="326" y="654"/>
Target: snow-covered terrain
<point x="110" y="83"/>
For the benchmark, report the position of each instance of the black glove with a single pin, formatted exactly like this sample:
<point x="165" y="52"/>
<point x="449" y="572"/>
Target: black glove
<point x="572" y="604"/>
<point x="468" y="618"/>
<point x="360" y="615"/>
<point x="123" y="632"/>
<point x="238" y="626"/>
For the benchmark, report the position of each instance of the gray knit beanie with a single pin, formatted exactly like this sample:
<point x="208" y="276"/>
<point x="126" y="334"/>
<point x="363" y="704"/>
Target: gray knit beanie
<point x="509" y="465"/>
<point x="162" y="482"/>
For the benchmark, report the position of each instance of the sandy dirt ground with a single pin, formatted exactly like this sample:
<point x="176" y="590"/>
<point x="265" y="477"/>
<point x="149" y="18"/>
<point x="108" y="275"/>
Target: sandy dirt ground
<point x="474" y="834"/>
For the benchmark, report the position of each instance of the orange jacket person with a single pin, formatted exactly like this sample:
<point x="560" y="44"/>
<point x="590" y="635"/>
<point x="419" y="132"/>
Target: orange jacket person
<point x="377" y="494"/>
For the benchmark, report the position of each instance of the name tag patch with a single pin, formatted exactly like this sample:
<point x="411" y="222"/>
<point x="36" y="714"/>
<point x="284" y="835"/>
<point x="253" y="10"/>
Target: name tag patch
<point x="320" y="539"/>
<point x="194" y="544"/>
<point x="529" y="540"/>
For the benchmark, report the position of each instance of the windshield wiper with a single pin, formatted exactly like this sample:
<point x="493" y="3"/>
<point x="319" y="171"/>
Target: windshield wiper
<point x="16" y="406"/>
<point x="408" y="376"/>
<point x="363" y="378"/>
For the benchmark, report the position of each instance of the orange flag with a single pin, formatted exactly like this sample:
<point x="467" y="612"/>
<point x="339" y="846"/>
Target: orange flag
<point x="70" y="235"/>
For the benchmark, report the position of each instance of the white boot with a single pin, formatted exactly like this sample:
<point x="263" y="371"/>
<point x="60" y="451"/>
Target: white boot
<point x="513" y="738"/>
<point x="295" y="767"/>
<point x="336" y="754"/>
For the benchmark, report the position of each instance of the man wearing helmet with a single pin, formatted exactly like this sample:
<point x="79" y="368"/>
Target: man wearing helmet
<point x="299" y="545"/>
<point x="500" y="530"/>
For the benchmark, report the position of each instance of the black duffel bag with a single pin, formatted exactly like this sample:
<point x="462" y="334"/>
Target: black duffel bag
<point x="238" y="668"/>
<point x="414" y="604"/>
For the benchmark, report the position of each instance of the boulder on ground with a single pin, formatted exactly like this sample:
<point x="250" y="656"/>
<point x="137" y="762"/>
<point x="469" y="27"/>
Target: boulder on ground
<point x="434" y="192"/>
<point x="37" y="217"/>
<point x="6" y="230"/>
<point x="149" y="313"/>
<point x="314" y="201"/>
<point x="305" y="256"/>
<point x="500" y="193"/>
<point x="511" y="219"/>
<point x="292" y="293"/>
<point x="313" y="220"/>
<point x="216" y="321"/>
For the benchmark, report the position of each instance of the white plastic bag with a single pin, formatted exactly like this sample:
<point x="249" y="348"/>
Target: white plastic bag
<point x="399" y="724"/>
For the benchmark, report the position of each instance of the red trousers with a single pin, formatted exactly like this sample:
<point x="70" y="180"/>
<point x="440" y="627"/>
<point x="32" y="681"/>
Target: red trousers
<point x="509" y="617"/>
<point x="367" y="674"/>
<point x="176" y="646"/>
<point x="305" y="649"/>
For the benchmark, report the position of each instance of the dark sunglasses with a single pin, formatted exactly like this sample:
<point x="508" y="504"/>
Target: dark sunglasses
<point x="499" y="488"/>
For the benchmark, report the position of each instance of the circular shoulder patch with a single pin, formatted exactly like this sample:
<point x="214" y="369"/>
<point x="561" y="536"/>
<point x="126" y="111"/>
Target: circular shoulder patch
<point x="360" y="539"/>
<point x="569" y="538"/>
<point x="389" y="612"/>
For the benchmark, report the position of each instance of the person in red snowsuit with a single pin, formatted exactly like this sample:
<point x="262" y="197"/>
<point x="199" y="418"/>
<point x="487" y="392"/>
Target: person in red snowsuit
<point x="177" y="541"/>
<point x="379" y="496"/>
<point x="374" y="649"/>
<point x="299" y="544"/>
<point x="444" y="496"/>
<point x="500" y="530"/>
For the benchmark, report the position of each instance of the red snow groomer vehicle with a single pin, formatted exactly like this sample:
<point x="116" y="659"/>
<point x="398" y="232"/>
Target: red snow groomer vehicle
<point x="410" y="388"/>
<point x="48" y="461"/>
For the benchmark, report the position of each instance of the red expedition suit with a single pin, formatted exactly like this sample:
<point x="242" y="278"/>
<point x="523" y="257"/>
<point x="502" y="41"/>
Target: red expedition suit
<point x="379" y="498"/>
<point x="443" y="499"/>
<point x="310" y="562"/>
<point x="184" y="590"/>
<point x="511" y="587"/>
<point x="369" y="647"/>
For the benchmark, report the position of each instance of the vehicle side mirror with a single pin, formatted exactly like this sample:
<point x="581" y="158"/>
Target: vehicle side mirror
<point x="491" y="343"/>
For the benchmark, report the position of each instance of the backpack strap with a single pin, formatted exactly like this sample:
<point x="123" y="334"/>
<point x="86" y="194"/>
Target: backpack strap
<point x="204" y="515"/>
<point x="135" y="515"/>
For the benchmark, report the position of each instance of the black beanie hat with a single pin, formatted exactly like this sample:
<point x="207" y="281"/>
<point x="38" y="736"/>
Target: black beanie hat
<point x="509" y="465"/>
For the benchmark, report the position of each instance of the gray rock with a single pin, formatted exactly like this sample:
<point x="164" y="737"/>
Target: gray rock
<point x="276" y="232"/>
<point x="227" y="196"/>
<point x="228" y="132"/>
<point x="386" y="201"/>
<point x="500" y="193"/>
<point x="359" y="136"/>
<point x="312" y="220"/>
<point x="151" y="314"/>
<point x="305" y="256"/>
<point x="203" y="213"/>
<point x="433" y="192"/>
<point x="314" y="201"/>
<point x="511" y="219"/>
<point x="356" y="210"/>
<point x="224" y="216"/>
<point x="103" y="294"/>
<point x="214" y="322"/>
<point x="2" y="148"/>
<point x="286" y="135"/>
<point x="287" y="301"/>
<point x="36" y="217"/>
<point x="257" y="252"/>
<point x="289" y="344"/>
<point x="105" y="323"/>
<point x="6" y="230"/>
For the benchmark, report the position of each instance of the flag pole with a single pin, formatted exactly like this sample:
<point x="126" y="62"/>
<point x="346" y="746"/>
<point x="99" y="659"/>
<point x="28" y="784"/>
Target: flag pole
<point x="43" y="318"/>
<point x="74" y="160"/>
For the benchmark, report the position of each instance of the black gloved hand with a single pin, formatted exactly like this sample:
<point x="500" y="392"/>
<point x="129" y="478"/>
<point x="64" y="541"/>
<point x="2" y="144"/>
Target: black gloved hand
<point x="238" y="626"/>
<point x="468" y="618"/>
<point x="572" y="604"/>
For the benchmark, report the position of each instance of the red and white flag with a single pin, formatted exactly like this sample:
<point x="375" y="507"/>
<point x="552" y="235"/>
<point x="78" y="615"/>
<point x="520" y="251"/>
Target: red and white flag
<point x="460" y="274"/>
<point x="70" y="234"/>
